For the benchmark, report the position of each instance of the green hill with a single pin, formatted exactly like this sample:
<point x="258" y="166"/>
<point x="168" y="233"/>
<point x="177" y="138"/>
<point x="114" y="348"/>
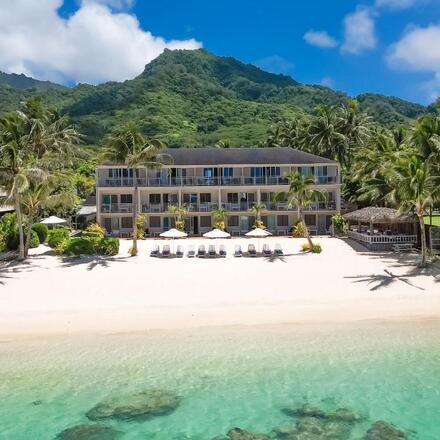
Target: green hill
<point x="191" y="98"/>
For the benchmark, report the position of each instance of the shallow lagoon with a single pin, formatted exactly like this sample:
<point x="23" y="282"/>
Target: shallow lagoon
<point x="227" y="377"/>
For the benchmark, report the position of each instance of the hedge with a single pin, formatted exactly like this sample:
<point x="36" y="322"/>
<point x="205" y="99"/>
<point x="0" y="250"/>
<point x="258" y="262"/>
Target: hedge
<point x="57" y="236"/>
<point x="42" y="231"/>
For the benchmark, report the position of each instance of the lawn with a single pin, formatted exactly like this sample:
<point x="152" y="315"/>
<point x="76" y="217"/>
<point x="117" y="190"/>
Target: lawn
<point x="435" y="220"/>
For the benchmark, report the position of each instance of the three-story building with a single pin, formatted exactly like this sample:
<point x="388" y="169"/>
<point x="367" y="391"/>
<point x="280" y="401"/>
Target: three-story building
<point x="204" y="179"/>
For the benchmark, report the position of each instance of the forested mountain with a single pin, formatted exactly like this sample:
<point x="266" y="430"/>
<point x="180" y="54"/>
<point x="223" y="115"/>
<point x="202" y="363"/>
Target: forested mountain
<point x="191" y="98"/>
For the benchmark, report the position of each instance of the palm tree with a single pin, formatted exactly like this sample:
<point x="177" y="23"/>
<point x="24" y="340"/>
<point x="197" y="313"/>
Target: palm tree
<point x="219" y="215"/>
<point x="256" y="209"/>
<point x="324" y="137"/>
<point x="180" y="213"/>
<point x="27" y="138"/>
<point x="127" y="145"/>
<point x="301" y="194"/>
<point x="416" y="189"/>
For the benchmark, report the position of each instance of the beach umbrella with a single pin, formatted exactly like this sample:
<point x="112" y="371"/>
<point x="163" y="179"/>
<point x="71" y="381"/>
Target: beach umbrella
<point x="53" y="220"/>
<point x="258" y="233"/>
<point x="174" y="233"/>
<point x="217" y="233"/>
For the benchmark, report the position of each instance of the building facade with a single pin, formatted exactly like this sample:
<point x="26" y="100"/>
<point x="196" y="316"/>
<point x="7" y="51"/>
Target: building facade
<point x="204" y="179"/>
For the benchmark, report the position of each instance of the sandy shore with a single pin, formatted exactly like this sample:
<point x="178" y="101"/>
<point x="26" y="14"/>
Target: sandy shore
<point x="50" y="295"/>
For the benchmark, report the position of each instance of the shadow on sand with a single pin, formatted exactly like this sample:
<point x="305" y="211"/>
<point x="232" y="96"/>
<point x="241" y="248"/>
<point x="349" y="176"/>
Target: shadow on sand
<point x="92" y="261"/>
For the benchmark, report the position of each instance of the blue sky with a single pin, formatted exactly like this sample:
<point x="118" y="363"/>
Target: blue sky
<point x="385" y="46"/>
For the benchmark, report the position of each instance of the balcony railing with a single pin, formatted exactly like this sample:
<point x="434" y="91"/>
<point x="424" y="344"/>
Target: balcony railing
<point x="116" y="207"/>
<point x="207" y="181"/>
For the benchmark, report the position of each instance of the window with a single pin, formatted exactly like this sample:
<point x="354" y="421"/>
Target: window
<point x="283" y="220"/>
<point x="205" y="221"/>
<point x="126" y="222"/>
<point x="205" y="198"/>
<point x="126" y="198"/>
<point x="108" y="199"/>
<point x="228" y="172"/>
<point x="154" y="222"/>
<point x="310" y="219"/>
<point x="168" y="222"/>
<point x="155" y="199"/>
<point x="232" y="198"/>
<point x="233" y="221"/>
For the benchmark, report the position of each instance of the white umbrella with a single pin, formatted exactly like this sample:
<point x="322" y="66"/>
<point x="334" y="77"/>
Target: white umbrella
<point x="217" y="233"/>
<point x="258" y="233"/>
<point x="53" y="220"/>
<point x="174" y="233"/>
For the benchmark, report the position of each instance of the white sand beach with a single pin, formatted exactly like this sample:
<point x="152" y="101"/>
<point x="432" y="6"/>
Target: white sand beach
<point x="48" y="294"/>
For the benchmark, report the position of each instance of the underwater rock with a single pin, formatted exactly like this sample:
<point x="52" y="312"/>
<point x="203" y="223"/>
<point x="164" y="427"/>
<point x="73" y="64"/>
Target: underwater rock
<point x="241" y="434"/>
<point x="344" y="415"/>
<point x="314" y="428"/>
<point x="89" y="432"/>
<point x="381" y="430"/>
<point x="37" y="402"/>
<point x="138" y="406"/>
<point x="341" y="414"/>
<point x="284" y="431"/>
<point x="305" y="411"/>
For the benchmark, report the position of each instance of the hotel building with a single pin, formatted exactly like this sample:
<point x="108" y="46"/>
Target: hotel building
<point x="205" y="179"/>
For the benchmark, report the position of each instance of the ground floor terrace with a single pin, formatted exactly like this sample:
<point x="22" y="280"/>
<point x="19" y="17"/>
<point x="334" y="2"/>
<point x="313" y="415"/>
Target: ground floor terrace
<point x="50" y="294"/>
<point x="237" y="224"/>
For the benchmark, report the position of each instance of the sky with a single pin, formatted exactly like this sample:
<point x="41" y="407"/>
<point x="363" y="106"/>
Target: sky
<point x="384" y="46"/>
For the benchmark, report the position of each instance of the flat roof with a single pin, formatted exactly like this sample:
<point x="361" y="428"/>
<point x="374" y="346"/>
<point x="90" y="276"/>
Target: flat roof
<point x="243" y="156"/>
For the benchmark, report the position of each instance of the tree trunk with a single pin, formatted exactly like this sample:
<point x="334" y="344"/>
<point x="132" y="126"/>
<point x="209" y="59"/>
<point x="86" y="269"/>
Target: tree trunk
<point x="21" y="255"/>
<point x="306" y="229"/>
<point x="134" y="248"/>
<point x="28" y="236"/>
<point x="422" y="239"/>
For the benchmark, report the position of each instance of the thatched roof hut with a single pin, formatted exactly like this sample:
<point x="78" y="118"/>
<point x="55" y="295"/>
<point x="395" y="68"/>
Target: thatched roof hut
<point x="377" y="215"/>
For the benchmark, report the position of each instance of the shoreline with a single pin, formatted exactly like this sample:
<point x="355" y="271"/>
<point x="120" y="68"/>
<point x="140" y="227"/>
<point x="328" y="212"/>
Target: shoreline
<point x="49" y="295"/>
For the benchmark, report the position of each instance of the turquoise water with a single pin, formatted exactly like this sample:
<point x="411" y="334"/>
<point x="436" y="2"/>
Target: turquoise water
<point x="226" y="377"/>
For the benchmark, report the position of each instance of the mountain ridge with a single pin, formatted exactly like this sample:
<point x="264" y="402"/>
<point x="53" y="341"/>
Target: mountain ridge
<point x="195" y="98"/>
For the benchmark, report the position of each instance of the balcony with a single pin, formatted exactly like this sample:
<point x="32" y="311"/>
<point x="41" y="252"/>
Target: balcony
<point x="207" y="181"/>
<point x="116" y="208"/>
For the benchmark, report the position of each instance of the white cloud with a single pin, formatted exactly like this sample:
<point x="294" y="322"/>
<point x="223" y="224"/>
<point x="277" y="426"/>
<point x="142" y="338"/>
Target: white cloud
<point x="93" y="45"/>
<point x="275" y="64"/>
<point x="328" y="82"/>
<point x="400" y="4"/>
<point x="320" y="39"/>
<point x="419" y="51"/>
<point x="359" y="31"/>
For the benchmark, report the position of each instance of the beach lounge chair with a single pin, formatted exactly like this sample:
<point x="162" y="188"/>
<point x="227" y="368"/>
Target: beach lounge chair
<point x="201" y="252"/>
<point x="191" y="251"/>
<point x="155" y="251"/>
<point x="237" y="251"/>
<point x="278" y="250"/>
<point x="166" y="251"/>
<point x="222" y="251"/>
<point x="266" y="250"/>
<point x="251" y="251"/>
<point x="211" y="251"/>
<point x="179" y="251"/>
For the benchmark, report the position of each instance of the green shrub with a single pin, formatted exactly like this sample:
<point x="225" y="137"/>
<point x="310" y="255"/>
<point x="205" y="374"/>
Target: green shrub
<point x="340" y="226"/>
<point x="56" y="236"/>
<point x="108" y="246"/>
<point x="317" y="248"/>
<point x="79" y="246"/>
<point x="299" y="230"/>
<point x="94" y="230"/>
<point x="42" y="230"/>
<point x="35" y="241"/>
<point x="60" y="249"/>
<point x="2" y="241"/>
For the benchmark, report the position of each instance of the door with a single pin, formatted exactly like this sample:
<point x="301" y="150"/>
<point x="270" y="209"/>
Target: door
<point x="196" y="225"/>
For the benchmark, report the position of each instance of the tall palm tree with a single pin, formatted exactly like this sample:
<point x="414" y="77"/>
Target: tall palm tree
<point x="256" y="209"/>
<point x="324" y="137"/>
<point x="416" y="190"/>
<point x="126" y="145"/>
<point x="27" y="137"/>
<point x="301" y="194"/>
